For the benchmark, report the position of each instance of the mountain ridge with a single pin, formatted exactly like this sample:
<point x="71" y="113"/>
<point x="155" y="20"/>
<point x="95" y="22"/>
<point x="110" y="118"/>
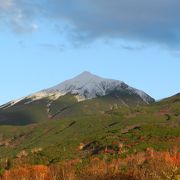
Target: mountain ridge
<point x="84" y="86"/>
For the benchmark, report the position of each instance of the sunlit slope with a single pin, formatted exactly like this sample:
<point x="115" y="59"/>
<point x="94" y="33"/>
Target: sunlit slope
<point x="98" y="123"/>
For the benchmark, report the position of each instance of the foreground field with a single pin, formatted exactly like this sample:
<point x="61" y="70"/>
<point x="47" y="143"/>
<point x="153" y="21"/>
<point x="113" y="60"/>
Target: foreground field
<point x="149" y="165"/>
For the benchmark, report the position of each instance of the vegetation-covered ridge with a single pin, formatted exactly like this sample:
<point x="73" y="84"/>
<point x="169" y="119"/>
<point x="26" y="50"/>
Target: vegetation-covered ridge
<point x="101" y="128"/>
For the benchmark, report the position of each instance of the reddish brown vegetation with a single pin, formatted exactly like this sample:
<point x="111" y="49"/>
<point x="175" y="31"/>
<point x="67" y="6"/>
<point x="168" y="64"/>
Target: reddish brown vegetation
<point x="164" y="111"/>
<point x="140" y="166"/>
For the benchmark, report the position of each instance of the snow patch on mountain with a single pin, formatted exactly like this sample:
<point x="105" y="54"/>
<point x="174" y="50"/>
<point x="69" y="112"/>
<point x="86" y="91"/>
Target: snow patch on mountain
<point x="11" y="103"/>
<point x="34" y="97"/>
<point x="44" y="94"/>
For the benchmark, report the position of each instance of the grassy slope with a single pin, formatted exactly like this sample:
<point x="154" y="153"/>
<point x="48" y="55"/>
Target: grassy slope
<point x="101" y="121"/>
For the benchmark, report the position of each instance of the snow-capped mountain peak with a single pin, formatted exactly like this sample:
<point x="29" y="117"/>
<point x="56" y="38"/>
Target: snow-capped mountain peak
<point x="89" y="86"/>
<point x="84" y="86"/>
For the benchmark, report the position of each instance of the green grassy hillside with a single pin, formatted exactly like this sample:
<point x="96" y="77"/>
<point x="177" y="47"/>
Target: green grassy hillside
<point x="97" y="124"/>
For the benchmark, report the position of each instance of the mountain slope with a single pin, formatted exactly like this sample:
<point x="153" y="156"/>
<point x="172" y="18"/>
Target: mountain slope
<point x="64" y="100"/>
<point x="97" y="123"/>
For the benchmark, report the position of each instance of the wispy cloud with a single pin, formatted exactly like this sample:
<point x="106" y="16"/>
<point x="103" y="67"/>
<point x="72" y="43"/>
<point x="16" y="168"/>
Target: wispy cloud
<point x="18" y="15"/>
<point x="139" y="20"/>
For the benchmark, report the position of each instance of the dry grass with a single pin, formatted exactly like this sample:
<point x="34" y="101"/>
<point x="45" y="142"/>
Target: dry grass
<point x="148" y="165"/>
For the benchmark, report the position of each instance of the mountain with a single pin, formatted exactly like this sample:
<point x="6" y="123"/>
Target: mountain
<point x="87" y="86"/>
<point x="99" y="114"/>
<point x="63" y="100"/>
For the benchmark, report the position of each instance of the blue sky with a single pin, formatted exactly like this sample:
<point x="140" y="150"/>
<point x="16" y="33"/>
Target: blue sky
<point x="41" y="50"/>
